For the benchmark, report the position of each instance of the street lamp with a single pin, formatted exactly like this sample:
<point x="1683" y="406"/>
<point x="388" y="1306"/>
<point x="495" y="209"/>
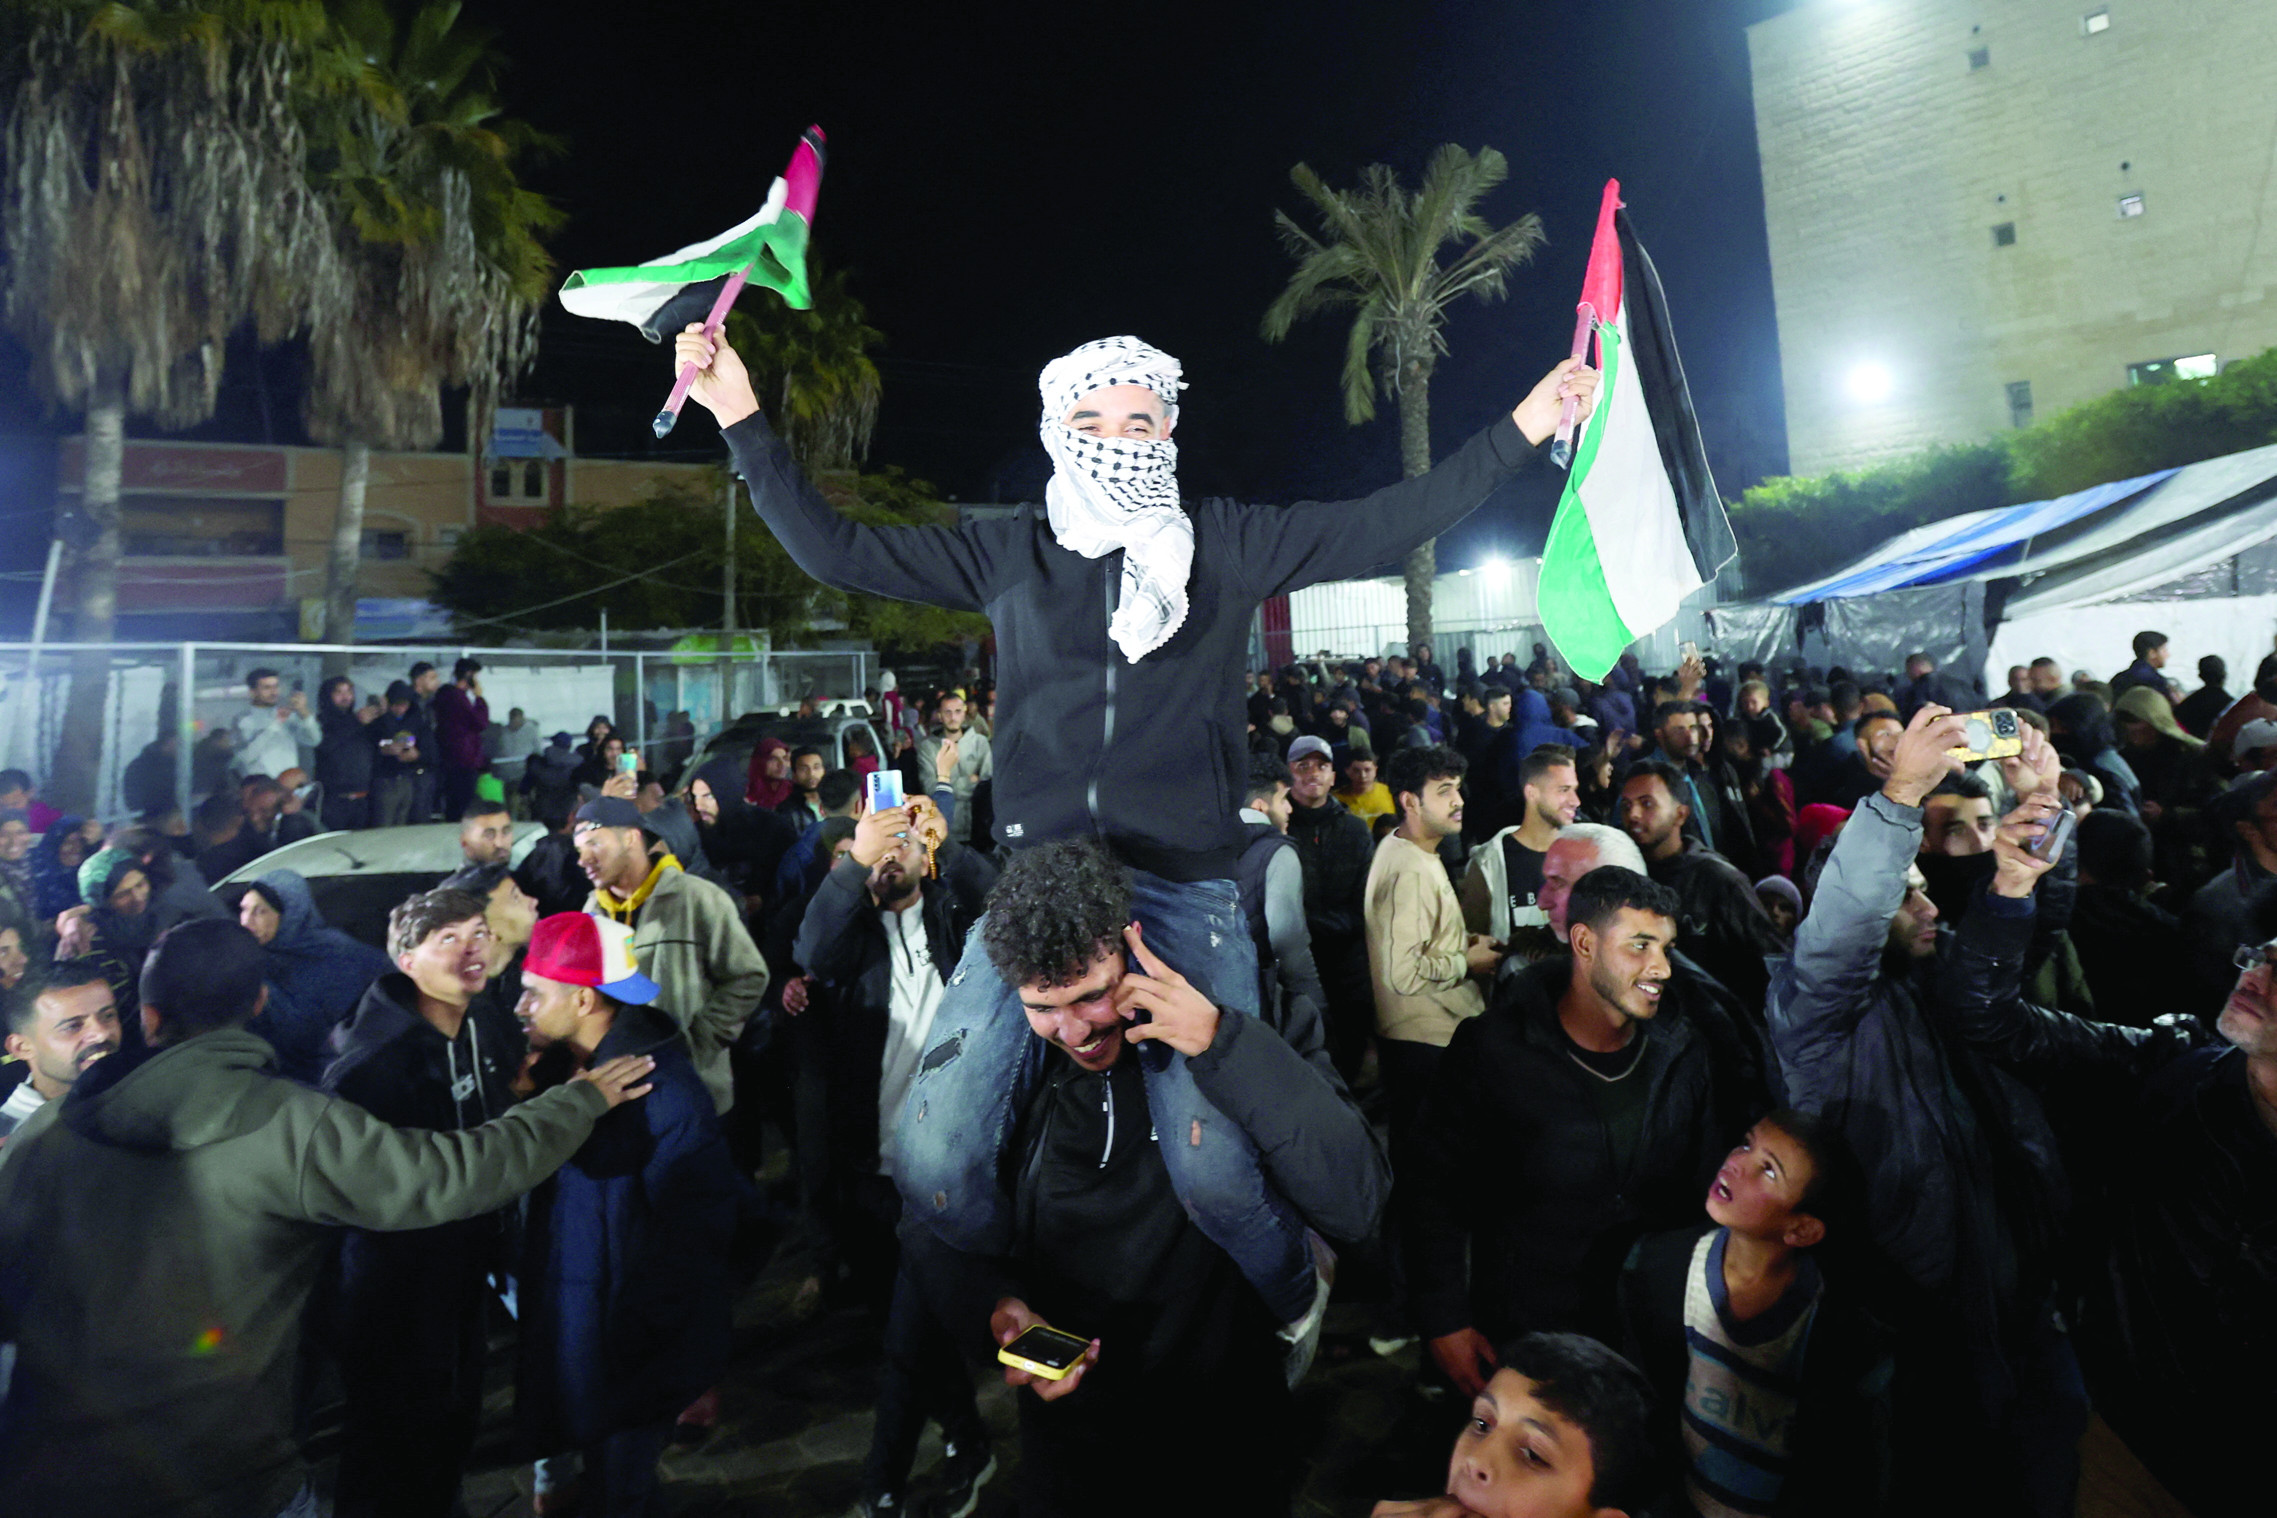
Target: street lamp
<point x="1870" y="383"/>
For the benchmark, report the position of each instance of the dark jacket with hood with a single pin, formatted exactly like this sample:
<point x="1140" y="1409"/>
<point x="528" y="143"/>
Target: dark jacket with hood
<point x="551" y="779"/>
<point x="1510" y="1156"/>
<point x="317" y="975"/>
<point x="347" y="752"/>
<point x="130" y="1402"/>
<point x="1965" y="1184"/>
<point x="1071" y="700"/>
<point x="744" y="843"/>
<point x="627" y="1280"/>
<point x="2162" y="1125"/>
<point x="410" y="1306"/>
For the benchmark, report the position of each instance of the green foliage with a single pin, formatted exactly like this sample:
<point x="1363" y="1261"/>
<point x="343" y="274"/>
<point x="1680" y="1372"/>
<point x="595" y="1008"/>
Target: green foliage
<point x="812" y="370"/>
<point x="655" y="563"/>
<point x="1793" y="530"/>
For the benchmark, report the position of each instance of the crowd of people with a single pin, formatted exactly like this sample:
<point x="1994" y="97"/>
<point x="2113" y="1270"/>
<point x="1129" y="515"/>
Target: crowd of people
<point x="1733" y="1094"/>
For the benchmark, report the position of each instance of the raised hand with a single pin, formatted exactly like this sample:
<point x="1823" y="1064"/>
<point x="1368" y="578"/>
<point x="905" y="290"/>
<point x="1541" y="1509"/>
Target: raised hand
<point x="1537" y="415"/>
<point x="723" y="385"/>
<point x="1921" y="761"/>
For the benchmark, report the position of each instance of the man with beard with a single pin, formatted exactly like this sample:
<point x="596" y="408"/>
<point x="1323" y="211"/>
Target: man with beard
<point x="1964" y="1180"/>
<point x="881" y="941"/>
<point x="1503" y="882"/>
<point x="974" y="763"/>
<point x="1731" y="932"/>
<point x="57" y="1031"/>
<point x="1117" y="609"/>
<point x="424" y="1050"/>
<point x="1603" y="1120"/>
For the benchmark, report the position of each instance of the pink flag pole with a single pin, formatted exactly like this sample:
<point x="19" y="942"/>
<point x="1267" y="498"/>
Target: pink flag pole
<point x="670" y="415"/>
<point x="1561" y="450"/>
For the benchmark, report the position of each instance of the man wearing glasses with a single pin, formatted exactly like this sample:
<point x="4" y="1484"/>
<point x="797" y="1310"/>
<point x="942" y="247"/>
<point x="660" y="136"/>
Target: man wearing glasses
<point x="2173" y="1133"/>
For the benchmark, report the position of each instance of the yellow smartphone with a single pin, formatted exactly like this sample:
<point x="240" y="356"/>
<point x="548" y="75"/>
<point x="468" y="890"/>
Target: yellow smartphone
<point x="1994" y="734"/>
<point x="1044" y="1351"/>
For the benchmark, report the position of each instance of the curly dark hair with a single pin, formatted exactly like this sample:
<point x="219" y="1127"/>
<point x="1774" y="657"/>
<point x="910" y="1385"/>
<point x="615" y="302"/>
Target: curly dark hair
<point x="1054" y="909"/>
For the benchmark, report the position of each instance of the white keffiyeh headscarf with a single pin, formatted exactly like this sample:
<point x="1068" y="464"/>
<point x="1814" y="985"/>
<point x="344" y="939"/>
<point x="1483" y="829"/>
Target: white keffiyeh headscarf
<point x="1113" y="492"/>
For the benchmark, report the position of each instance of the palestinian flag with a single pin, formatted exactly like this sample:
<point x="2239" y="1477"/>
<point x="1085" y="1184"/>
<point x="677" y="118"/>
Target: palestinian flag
<point x="665" y="294"/>
<point x="1640" y="526"/>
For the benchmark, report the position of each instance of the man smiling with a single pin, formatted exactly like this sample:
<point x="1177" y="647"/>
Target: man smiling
<point x="57" y="1031"/>
<point x="1119" y="610"/>
<point x="1106" y="1248"/>
<point x="1604" y="1117"/>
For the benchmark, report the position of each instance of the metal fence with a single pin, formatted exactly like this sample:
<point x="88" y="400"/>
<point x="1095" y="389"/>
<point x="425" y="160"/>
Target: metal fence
<point x="638" y="689"/>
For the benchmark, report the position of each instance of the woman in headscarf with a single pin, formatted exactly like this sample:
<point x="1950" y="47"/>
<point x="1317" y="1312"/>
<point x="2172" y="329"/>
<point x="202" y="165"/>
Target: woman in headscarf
<point x="600" y="767"/>
<point x="316" y="973"/>
<point x="55" y="866"/>
<point x="120" y="927"/>
<point x="767" y="782"/>
<point x="2167" y="760"/>
<point x="861" y="752"/>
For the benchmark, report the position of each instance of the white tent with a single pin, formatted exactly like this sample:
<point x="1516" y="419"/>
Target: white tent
<point x="2190" y="552"/>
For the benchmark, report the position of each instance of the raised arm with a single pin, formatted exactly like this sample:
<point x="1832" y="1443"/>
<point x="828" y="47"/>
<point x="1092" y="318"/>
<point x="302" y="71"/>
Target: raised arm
<point x="1280" y="549"/>
<point x="1818" y="998"/>
<point x="954" y="567"/>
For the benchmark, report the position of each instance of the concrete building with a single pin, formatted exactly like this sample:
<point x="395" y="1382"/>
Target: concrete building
<point x="229" y="540"/>
<point x="1985" y="211"/>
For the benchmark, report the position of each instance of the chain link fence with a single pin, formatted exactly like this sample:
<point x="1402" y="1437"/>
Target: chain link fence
<point x="675" y="697"/>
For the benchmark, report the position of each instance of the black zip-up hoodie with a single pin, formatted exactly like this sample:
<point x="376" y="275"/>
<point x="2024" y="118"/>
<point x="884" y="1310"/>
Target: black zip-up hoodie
<point x="1149" y="756"/>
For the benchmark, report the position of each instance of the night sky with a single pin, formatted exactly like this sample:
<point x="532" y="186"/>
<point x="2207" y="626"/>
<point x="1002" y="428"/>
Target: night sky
<point x="1005" y="182"/>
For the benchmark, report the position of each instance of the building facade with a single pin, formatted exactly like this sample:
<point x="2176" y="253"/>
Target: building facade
<point x="230" y="540"/>
<point x="1984" y="211"/>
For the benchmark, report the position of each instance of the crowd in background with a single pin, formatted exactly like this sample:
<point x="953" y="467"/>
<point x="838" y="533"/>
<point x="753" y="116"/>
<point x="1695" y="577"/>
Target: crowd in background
<point x="1774" y="1122"/>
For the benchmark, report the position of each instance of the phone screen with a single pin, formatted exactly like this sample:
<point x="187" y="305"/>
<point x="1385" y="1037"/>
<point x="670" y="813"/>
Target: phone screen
<point x="1048" y="1346"/>
<point x="885" y="789"/>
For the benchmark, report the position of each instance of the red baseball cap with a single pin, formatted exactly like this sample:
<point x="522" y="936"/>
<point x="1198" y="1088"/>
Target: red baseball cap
<point x="578" y="949"/>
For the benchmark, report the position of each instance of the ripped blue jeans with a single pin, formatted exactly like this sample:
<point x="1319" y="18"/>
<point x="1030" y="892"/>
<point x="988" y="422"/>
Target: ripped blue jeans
<point x="983" y="1062"/>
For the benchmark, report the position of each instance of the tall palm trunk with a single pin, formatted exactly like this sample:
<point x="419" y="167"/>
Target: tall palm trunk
<point x="1422" y="565"/>
<point x="79" y="747"/>
<point x="347" y="552"/>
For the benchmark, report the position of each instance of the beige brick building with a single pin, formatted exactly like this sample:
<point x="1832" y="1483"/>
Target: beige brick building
<point x="229" y="540"/>
<point x="1982" y="211"/>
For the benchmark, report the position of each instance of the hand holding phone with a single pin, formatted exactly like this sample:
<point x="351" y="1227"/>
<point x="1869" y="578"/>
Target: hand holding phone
<point x="884" y="789"/>
<point x="628" y="762"/>
<point x="1035" y="1354"/>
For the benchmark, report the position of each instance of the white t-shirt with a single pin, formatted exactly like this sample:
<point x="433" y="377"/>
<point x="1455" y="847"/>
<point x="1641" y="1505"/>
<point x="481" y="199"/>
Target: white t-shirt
<point x="916" y="997"/>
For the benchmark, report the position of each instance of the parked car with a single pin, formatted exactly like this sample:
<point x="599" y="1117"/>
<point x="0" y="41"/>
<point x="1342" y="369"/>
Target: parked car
<point x="357" y="878"/>
<point x="828" y="734"/>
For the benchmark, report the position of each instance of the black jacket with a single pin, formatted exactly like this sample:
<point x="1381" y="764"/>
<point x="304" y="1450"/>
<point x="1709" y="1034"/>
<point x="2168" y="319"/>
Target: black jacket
<point x="410" y="1309"/>
<point x="2181" y="1288"/>
<point x="1336" y="851"/>
<point x="1065" y="765"/>
<point x="346" y="753"/>
<point x="1509" y="1155"/>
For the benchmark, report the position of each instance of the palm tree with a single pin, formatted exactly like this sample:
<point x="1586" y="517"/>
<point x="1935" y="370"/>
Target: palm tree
<point x="439" y="269"/>
<point x="813" y="371"/>
<point x="1378" y="257"/>
<point x="153" y="201"/>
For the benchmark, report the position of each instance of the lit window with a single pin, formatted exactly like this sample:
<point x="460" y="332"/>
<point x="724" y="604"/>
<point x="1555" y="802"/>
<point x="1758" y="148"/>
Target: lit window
<point x="1979" y="57"/>
<point x="2095" y="21"/>
<point x="2004" y="235"/>
<point x="2158" y="371"/>
<point x="2019" y="403"/>
<point x="2130" y="205"/>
